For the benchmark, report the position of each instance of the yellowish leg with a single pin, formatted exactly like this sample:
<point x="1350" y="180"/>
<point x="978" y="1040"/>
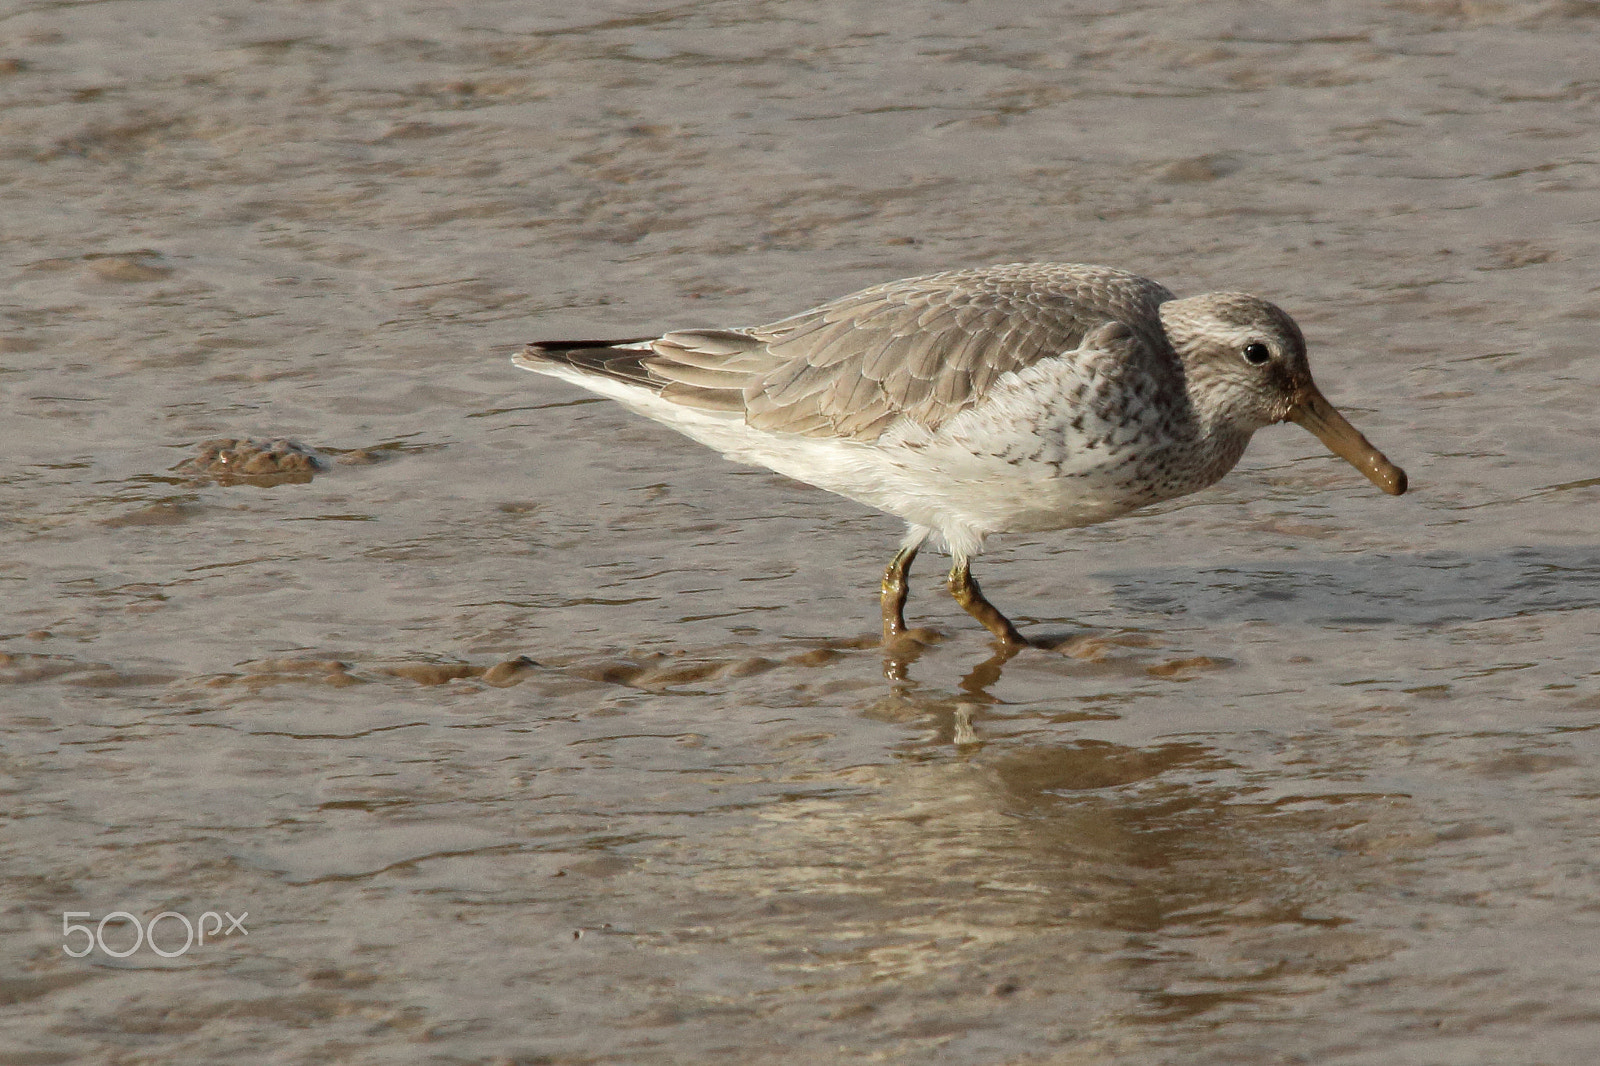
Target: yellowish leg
<point x="894" y="593"/>
<point x="970" y="597"/>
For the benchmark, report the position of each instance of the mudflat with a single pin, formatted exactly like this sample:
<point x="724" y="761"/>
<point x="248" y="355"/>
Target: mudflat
<point x="524" y="730"/>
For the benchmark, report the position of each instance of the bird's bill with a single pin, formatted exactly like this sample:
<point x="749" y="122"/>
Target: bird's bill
<point x="1323" y="421"/>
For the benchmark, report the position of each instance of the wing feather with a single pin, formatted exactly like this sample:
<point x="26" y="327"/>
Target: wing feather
<point x="923" y="348"/>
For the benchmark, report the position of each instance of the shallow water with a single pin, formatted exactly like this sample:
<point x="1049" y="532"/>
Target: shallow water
<point x="525" y="731"/>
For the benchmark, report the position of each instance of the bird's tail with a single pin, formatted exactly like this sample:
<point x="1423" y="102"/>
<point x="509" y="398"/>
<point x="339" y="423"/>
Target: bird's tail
<point x="619" y="359"/>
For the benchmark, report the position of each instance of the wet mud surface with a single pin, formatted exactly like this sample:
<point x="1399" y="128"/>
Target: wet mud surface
<point x="525" y="731"/>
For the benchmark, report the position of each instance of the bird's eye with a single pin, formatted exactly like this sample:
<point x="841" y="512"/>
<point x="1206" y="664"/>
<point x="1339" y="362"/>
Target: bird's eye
<point x="1256" y="353"/>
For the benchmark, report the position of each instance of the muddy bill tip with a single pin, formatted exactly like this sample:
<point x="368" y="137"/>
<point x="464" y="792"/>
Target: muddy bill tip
<point x="1386" y="475"/>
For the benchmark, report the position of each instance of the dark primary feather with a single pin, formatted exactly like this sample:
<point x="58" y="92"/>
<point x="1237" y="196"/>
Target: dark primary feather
<point x="925" y="348"/>
<point x="608" y="358"/>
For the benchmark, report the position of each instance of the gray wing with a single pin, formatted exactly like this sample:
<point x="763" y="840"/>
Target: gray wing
<point x="924" y="348"/>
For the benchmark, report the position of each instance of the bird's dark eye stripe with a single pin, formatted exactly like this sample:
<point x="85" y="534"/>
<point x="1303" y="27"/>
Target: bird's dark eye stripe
<point x="1256" y="353"/>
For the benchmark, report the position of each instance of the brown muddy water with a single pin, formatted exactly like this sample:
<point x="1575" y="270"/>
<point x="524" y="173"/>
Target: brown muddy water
<point x="512" y="728"/>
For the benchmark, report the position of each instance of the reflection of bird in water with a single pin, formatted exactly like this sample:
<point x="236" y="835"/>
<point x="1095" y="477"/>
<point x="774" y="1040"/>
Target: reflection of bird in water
<point x="1009" y="399"/>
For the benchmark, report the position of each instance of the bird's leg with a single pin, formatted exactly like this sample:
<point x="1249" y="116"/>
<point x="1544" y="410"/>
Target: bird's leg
<point x="970" y="597"/>
<point x="894" y="593"/>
